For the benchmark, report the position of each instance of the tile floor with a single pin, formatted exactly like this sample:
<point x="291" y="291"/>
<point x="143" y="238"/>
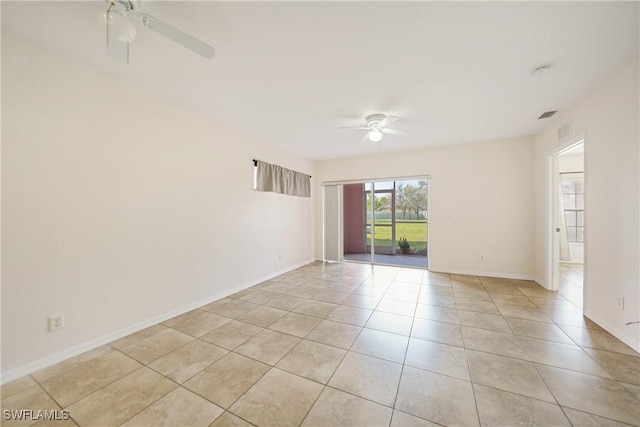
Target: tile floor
<point x="349" y="344"/>
<point x="392" y="260"/>
<point x="571" y="281"/>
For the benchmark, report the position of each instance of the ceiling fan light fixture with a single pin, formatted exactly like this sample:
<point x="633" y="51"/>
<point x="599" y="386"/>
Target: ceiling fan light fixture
<point x="375" y="135"/>
<point x="377" y="126"/>
<point x="120" y="28"/>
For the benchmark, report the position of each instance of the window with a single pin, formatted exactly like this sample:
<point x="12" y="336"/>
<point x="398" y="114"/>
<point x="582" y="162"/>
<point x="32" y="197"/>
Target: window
<point x="573" y="202"/>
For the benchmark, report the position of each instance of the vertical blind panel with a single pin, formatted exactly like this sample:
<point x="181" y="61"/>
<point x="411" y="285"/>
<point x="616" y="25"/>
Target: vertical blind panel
<point x="277" y="179"/>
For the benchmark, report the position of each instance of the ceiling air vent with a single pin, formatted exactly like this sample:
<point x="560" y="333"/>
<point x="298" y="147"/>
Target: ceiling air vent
<point x="547" y="114"/>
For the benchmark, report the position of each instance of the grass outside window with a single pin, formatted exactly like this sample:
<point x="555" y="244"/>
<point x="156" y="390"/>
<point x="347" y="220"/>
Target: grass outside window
<point x="415" y="231"/>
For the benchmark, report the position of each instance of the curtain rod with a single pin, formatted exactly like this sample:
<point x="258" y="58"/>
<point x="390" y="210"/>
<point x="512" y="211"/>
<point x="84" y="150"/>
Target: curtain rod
<point x="561" y="173"/>
<point x="255" y="163"/>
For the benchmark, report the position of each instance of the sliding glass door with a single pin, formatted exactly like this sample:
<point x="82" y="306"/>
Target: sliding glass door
<point x="411" y="220"/>
<point x="385" y="222"/>
<point x="380" y="217"/>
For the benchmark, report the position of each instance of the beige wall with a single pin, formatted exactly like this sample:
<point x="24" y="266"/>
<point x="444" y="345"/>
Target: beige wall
<point x="120" y="208"/>
<point x="481" y="202"/>
<point x="608" y="118"/>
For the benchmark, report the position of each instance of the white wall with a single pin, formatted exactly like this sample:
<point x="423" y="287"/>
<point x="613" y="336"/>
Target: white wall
<point x="609" y="119"/>
<point x="481" y="202"/>
<point x="120" y="207"/>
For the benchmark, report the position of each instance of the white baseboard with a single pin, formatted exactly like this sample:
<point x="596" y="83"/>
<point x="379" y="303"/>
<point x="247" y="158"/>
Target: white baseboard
<point x="628" y="340"/>
<point x="482" y="273"/>
<point x="540" y="281"/>
<point x="60" y="356"/>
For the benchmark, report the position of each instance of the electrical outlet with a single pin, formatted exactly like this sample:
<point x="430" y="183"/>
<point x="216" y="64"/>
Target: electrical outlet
<point x="621" y="303"/>
<point x="56" y="322"/>
<point x="279" y="257"/>
<point x="481" y="258"/>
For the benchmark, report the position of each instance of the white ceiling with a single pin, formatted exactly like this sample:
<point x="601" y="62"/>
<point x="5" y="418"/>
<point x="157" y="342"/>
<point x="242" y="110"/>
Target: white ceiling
<point x="293" y="72"/>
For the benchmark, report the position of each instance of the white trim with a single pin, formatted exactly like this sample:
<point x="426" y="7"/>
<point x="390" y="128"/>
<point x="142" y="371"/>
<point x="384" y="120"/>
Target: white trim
<point x="429" y="230"/>
<point x="372" y="194"/>
<point x="467" y="272"/>
<point x="540" y="281"/>
<point x="552" y="248"/>
<point x="630" y="341"/>
<point x="551" y="191"/>
<point x="324" y="226"/>
<point x="483" y="273"/>
<point x="105" y="339"/>
<point x="364" y="181"/>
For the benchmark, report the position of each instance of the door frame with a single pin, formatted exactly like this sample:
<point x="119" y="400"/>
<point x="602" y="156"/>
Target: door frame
<point x="372" y="193"/>
<point x="552" y="247"/>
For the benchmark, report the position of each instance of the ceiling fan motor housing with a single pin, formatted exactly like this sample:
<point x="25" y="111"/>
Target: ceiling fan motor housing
<point x="374" y="119"/>
<point x="128" y="6"/>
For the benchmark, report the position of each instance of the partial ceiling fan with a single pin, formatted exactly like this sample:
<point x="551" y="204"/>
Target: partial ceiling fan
<point x="120" y="31"/>
<point x="376" y="125"/>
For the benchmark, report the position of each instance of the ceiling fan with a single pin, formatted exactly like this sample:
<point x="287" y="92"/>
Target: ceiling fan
<point x="121" y="32"/>
<point x="376" y="125"/>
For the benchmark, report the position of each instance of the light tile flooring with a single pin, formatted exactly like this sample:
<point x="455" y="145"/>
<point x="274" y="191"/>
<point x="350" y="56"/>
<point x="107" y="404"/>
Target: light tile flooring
<point x="393" y="260"/>
<point x="348" y="344"/>
<point x="571" y="281"/>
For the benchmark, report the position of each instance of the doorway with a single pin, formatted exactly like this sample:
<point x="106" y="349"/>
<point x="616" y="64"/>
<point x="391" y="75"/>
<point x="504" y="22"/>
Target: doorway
<point x="567" y="211"/>
<point x="385" y="222"/>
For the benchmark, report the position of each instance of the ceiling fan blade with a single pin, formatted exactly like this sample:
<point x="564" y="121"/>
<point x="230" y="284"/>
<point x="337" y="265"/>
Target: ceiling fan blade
<point x="355" y="127"/>
<point x="387" y="121"/>
<point x="365" y="139"/>
<point x="395" y="132"/>
<point x="117" y="49"/>
<point x="178" y="36"/>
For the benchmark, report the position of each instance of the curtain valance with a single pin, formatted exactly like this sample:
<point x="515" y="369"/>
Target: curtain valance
<point x="277" y="179"/>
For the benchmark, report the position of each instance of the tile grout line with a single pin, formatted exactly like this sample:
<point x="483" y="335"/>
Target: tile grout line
<point x="324" y="386"/>
<point x="473" y="389"/>
<point x="54" y="399"/>
<point x="142" y="365"/>
<point x="406" y="350"/>
<point x="151" y="369"/>
<point x="335" y="279"/>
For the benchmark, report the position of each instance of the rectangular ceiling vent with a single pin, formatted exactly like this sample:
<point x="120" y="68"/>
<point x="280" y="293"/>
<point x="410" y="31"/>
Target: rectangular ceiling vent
<point x="547" y="114"/>
<point x="564" y="131"/>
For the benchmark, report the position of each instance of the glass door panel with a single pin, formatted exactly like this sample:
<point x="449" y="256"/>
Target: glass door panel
<point x="379" y="216"/>
<point x="367" y="222"/>
<point x="411" y="221"/>
<point x="383" y="221"/>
